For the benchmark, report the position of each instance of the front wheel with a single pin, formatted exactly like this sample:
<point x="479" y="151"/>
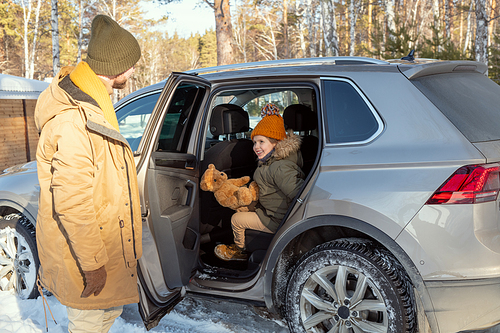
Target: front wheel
<point x="18" y="256"/>
<point x="350" y="286"/>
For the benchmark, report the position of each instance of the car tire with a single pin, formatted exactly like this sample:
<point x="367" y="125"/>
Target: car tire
<point x="18" y="256"/>
<point x="350" y="285"/>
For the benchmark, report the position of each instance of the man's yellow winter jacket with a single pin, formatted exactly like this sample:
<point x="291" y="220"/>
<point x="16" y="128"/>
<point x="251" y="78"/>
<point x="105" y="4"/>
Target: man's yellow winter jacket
<point x="89" y="210"/>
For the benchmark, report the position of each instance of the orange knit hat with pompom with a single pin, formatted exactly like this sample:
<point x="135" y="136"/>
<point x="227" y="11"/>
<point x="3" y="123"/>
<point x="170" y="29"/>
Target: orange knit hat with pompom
<point x="271" y="125"/>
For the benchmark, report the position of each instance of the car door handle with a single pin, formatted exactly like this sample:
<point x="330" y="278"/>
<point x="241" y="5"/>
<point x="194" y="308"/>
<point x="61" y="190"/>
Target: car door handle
<point x="191" y="188"/>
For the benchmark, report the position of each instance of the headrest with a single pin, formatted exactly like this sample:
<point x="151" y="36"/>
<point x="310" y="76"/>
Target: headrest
<point x="229" y="119"/>
<point x="299" y="118"/>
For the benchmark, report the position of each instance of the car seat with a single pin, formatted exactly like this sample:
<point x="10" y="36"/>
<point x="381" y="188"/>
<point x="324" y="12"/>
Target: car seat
<point x="300" y="118"/>
<point x="234" y="156"/>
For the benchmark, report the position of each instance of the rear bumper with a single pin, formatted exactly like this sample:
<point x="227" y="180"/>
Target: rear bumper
<point x="465" y="304"/>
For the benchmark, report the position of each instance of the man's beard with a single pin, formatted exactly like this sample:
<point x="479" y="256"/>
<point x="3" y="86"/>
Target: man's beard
<point x="120" y="83"/>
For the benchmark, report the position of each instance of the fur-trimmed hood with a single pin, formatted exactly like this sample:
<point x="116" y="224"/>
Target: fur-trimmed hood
<point x="286" y="149"/>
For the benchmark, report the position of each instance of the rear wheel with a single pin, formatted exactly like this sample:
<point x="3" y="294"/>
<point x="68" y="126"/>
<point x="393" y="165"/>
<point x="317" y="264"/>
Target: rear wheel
<point x="350" y="286"/>
<point x="18" y="256"/>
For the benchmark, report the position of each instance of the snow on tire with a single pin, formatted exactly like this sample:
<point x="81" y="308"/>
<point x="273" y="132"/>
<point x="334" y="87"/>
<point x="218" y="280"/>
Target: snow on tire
<point x="18" y="256"/>
<point x="349" y="285"/>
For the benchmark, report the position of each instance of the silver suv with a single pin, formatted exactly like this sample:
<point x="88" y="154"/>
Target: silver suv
<point x="396" y="229"/>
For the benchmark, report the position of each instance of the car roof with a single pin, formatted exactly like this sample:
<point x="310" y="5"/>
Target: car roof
<point x="318" y="67"/>
<point x="334" y="65"/>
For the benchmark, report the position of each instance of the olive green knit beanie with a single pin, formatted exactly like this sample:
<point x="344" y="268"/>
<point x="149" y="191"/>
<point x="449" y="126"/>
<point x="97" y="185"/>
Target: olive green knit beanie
<point x="112" y="50"/>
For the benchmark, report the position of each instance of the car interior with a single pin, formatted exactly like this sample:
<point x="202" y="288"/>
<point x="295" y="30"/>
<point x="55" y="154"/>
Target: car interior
<point x="228" y="146"/>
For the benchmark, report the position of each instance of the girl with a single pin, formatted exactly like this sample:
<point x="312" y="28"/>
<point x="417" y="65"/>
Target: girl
<point x="278" y="175"/>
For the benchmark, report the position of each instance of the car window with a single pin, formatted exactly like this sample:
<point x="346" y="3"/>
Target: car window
<point x="469" y="100"/>
<point x="178" y="121"/>
<point x="349" y="118"/>
<point x="133" y="117"/>
<point x="281" y="99"/>
<point x="252" y="101"/>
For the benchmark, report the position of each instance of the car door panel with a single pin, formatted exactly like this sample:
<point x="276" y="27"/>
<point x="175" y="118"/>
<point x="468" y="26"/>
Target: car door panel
<point x="172" y="208"/>
<point x="169" y="175"/>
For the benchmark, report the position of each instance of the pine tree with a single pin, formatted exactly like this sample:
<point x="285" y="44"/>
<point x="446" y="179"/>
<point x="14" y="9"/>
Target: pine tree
<point x="494" y="60"/>
<point x="402" y="42"/>
<point x="440" y="47"/>
<point x="207" y="49"/>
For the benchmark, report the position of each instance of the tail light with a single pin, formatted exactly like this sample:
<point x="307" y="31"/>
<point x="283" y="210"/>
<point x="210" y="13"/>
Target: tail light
<point x="468" y="185"/>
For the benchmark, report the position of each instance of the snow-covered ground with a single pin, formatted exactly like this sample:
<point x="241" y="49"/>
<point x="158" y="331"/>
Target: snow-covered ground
<point x="192" y="315"/>
<point x="189" y="316"/>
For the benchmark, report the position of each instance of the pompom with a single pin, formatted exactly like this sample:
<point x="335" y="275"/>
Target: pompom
<point x="269" y="109"/>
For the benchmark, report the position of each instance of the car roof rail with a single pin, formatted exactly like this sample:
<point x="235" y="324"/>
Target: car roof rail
<point x="290" y="62"/>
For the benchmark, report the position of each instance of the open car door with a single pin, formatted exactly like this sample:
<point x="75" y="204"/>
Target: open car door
<point x="168" y="179"/>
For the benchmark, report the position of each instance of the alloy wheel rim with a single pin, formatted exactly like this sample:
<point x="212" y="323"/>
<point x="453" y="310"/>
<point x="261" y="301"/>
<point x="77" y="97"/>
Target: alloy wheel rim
<point x="17" y="265"/>
<point x="341" y="299"/>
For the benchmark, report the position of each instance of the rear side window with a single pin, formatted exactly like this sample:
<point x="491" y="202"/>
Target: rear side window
<point x="470" y="101"/>
<point x="349" y="118"/>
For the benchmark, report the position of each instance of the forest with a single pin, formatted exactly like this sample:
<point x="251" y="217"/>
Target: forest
<point x="37" y="37"/>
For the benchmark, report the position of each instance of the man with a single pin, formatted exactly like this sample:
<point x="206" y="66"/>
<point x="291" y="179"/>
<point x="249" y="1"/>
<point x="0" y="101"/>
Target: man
<point x="89" y="222"/>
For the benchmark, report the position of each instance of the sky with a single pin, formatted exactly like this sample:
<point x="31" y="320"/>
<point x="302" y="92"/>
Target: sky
<point x="185" y="16"/>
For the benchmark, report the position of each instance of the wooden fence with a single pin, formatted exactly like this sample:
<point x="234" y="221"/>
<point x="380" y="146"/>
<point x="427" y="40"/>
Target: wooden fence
<point x="18" y="133"/>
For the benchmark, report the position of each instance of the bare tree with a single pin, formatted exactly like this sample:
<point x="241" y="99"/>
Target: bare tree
<point x="329" y="28"/>
<point x="83" y="7"/>
<point x="285" y="28"/>
<point x="109" y="8"/>
<point x="469" y="30"/>
<point x="414" y="20"/>
<point x="54" y="22"/>
<point x="461" y="31"/>
<point x="311" y="25"/>
<point x="481" y="44"/>
<point x="123" y="12"/>
<point x="370" y="23"/>
<point x="266" y="42"/>
<point x="353" y="17"/>
<point x="435" y="12"/>
<point x="240" y="35"/>
<point x="493" y="11"/>
<point x="80" y="31"/>
<point x="301" y="25"/>
<point x="30" y="53"/>
<point x="390" y="17"/>
<point x="447" y="19"/>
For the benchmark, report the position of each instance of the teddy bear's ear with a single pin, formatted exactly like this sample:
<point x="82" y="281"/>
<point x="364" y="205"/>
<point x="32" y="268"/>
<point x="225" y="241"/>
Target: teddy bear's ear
<point x="211" y="167"/>
<point x="207" y="179"/>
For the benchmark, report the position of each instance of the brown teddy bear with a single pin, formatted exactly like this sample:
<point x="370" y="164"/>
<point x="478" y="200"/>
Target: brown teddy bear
<point x="229" y="192"/>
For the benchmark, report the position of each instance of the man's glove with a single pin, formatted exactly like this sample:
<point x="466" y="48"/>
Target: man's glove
<point x="94" y="282"/>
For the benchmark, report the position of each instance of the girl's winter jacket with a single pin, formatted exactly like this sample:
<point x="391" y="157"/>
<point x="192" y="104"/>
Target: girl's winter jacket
<point x="89" y="210"/>
<point x="279" y="178"/>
